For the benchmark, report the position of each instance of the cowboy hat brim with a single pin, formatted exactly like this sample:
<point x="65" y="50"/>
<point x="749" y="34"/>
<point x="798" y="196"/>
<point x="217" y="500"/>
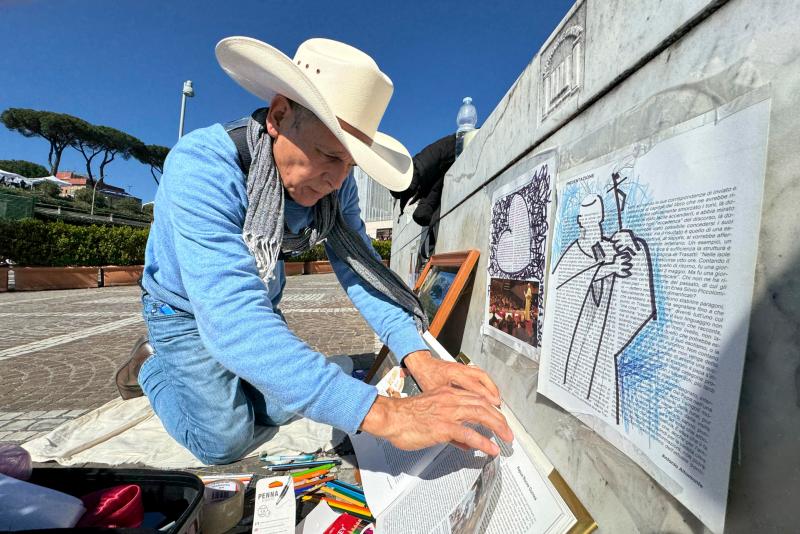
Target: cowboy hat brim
<point x="265" y="71"/>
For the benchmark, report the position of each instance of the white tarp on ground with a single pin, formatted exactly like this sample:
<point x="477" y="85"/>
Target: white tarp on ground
<point x="129" y="432"/>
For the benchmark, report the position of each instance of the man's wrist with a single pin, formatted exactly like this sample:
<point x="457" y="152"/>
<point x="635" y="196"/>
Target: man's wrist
<point x="377" y="418"/>
<point x="416" y="359"/>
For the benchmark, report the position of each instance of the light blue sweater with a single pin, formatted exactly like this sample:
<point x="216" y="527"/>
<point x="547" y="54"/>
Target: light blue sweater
<point x="197" y="261"/>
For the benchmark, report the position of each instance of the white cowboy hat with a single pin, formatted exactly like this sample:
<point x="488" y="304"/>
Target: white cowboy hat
<point x="334" y="81"/>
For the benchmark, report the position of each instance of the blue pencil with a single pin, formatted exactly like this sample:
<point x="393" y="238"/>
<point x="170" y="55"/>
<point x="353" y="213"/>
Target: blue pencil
<point x="348" y="489"/>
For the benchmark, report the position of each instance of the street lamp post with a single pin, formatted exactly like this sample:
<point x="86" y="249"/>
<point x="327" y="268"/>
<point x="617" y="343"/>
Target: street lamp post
<point x="188" y="90"/>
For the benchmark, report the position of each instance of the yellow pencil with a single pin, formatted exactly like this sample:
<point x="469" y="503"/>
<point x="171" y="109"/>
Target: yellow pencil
<point x="347" y="506"/>
<point x="328" y="491"/>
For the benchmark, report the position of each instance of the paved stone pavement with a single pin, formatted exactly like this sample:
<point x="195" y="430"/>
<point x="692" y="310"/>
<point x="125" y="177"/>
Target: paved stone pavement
<point x="59" y="350"/>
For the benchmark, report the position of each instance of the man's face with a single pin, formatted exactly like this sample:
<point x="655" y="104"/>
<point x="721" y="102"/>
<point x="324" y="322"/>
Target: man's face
<point x="310" y="160"/>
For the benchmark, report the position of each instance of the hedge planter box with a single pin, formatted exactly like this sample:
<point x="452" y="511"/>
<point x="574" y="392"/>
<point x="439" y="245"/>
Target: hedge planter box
<point x="318" y="267"/>
<point x="3" y="279"/>
<point x="122" y="276"/>
<point x="293" y="268"/>
<point x="39" y="278"/>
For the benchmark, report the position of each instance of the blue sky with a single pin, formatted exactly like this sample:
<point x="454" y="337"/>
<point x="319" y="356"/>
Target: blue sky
<point x="123" y="63"/>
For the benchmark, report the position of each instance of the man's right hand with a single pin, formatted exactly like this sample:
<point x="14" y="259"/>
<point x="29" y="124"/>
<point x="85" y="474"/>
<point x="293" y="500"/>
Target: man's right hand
<point x="436" y="416"/>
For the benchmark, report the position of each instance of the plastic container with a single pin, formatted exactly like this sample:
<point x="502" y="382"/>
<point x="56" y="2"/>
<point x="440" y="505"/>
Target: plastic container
<point x="176" y="494"/>
<point x="467" y="120"/>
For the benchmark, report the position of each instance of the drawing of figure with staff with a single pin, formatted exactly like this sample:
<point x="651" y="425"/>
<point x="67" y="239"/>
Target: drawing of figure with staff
<point x="608" y="286"/>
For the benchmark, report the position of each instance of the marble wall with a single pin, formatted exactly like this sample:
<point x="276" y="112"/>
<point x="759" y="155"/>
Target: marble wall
<point x="612" y="73"/>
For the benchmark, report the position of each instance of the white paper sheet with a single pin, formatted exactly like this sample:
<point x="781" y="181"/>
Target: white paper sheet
<point x="517" y="255"/>
<point x="648" y="304"/>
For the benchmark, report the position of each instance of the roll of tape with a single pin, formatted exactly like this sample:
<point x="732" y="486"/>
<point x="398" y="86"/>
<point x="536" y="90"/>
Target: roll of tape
<point x="223" y="506"/>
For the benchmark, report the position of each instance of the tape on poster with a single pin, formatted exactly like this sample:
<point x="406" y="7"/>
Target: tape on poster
<point x="223" y="506"/>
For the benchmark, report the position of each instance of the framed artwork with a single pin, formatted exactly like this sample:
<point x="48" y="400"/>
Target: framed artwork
<point x="439" y="287"/>
<point x="518" y="235"/>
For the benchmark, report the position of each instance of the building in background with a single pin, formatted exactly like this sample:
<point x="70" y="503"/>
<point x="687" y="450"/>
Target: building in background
<point x="376" y="205"/>
<point x="76" y="181"/>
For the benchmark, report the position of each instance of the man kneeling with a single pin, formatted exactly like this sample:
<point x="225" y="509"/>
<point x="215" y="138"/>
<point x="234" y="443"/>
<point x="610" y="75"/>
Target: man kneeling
<point x="222" y="356"/>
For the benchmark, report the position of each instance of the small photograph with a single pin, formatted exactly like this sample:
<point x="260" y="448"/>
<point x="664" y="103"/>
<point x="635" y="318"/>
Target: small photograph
<point x="513" y="308"/>
<point x="435" y="288"/>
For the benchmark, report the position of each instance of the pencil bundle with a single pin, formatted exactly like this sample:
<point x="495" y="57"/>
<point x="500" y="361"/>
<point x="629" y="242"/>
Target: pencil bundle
<point x="317" y="482"/>
<point x="343" y="497"/>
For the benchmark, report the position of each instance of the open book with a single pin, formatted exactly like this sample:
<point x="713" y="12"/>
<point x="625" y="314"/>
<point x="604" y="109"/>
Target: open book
<point x="444" y="489"/>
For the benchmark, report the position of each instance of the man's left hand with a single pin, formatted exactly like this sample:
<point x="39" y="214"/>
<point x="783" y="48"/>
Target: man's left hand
<point x="430" y="373"/>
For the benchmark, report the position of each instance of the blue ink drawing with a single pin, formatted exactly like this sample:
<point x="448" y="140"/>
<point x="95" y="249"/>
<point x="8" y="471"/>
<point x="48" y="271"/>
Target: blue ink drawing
<point x="619" y="278"/>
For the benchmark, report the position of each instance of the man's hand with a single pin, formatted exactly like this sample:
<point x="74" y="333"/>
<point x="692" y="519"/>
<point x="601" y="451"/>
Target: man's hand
<point x="436" y="416"/>
<point x="624" y="241"/>
<point x="431" y="373"/>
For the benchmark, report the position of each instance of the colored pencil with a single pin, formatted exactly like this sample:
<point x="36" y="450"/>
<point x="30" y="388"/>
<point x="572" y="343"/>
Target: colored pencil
<point x="352" y="508"/>
<point x="310" y="475"/>
<point x="345" y="491"/>
<point x="300" y="465"/>
<point x="308" y="490"/>
<point x="312" y="482"/>
<point x="341" y="497"/>
<point x="313" y="469"/>
<point x="351" y="487"/>
<point x="349" y="508"/>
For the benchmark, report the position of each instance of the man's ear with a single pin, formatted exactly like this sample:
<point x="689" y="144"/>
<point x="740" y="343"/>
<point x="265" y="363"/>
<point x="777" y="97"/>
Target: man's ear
<point x="279" y="116"/>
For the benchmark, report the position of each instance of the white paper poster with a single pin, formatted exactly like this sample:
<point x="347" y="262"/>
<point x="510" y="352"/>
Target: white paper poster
<point x="517" y="252"/>
<point x="650" y="287"/>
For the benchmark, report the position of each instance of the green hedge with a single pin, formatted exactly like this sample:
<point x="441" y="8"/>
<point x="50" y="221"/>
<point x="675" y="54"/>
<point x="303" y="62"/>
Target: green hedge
<point x="57" y="244"/>
<point x="383" y="248"/>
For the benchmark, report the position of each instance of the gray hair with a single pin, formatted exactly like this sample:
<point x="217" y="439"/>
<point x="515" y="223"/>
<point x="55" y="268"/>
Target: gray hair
<point x="302" y="115"/>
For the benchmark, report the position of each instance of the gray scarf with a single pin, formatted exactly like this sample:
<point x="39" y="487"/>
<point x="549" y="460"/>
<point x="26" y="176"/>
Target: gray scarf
<point x="265" y="235"/>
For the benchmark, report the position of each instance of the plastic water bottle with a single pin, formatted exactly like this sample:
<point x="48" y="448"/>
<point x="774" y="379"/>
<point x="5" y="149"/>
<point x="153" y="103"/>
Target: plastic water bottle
<point x="467" y="119"/>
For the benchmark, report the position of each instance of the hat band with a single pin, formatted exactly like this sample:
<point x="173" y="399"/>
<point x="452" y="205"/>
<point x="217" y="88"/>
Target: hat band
<point x="355" y="132"/>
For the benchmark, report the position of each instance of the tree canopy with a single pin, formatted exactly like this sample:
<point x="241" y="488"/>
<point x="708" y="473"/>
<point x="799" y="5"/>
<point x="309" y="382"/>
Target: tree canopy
<point x="59" y="129"/>
<point x="89" y="142"/>
<point x="116" y="143"/>
<point x="154" y="156"/>
<point x="28" y="169"/>
<point x="92" y="141"/>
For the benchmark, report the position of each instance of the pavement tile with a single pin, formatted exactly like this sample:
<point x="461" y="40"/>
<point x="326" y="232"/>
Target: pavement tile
<point x="73" y="377"/>
<point x="53" y="413"/>
<point x="20" y="437"/>
<point x="18" y="424"/>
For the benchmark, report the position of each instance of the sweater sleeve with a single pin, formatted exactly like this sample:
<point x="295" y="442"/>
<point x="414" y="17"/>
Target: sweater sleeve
<point x="234" y="315"/>
<point x="394" y="326"/>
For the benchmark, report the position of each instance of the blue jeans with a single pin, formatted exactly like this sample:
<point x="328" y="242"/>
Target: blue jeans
<point x="204" y="407"/>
